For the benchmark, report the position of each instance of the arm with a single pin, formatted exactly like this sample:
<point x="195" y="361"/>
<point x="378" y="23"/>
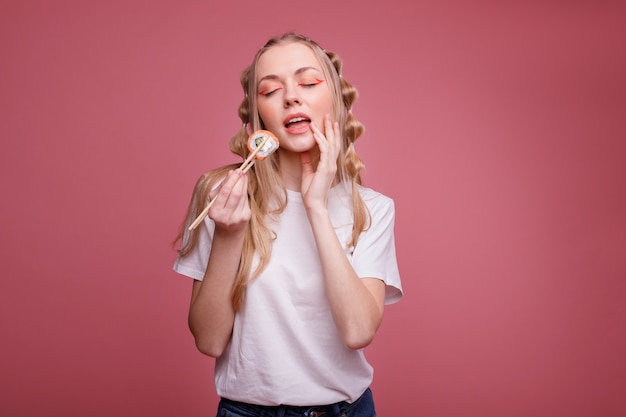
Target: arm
<point x="356" y="304"/>
<point x="211" y="314"/>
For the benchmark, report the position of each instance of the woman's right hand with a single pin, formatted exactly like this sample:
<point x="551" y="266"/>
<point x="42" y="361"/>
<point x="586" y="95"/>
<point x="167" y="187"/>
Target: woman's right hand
<point x="231" y="210"/>
<point x="211" y="314"/>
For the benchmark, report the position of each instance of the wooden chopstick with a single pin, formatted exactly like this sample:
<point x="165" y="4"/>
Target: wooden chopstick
<point x="201" y="216"/>
<point x="245" y="167"/>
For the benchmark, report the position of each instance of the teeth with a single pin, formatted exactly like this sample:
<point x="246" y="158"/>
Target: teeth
<point x="296" y="119"/>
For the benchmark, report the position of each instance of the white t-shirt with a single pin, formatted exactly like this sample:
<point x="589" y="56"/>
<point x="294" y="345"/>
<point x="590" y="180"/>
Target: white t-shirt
<point x="285" y="348"/>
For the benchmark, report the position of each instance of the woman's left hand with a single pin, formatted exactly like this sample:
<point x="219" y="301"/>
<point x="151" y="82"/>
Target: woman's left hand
<point x="317" y="183"/>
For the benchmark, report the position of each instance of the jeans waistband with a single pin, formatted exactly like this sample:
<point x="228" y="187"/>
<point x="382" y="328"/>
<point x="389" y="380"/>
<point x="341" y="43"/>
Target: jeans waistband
<point x="328" y="410"/>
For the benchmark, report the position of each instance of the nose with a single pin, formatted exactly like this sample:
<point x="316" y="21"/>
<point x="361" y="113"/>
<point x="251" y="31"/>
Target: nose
<point x="291" y="97"/>
<point x="291" y="100"/>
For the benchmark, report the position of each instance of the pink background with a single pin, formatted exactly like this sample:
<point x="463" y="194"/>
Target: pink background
<point x="497" y="128"/>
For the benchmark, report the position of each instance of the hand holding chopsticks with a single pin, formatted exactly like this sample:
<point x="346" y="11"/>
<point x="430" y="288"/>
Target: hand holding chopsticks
<point x="261" y="143"/>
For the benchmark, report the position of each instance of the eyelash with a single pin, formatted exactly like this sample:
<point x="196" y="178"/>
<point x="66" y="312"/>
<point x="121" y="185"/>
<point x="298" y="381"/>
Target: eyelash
<point x="269" y="93"/>
<point x="307" y="85"/>
<point x="313" y="84"/>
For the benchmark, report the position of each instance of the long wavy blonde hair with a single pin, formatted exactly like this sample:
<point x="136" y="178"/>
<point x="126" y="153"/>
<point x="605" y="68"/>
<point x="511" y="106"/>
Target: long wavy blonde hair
<point x="267" y="194"/>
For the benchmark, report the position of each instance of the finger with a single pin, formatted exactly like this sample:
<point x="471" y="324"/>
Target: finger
<point x="333" y="135"/>
<point x="241" y="186"/>
<point x="243" y="203"/>
<point x="214" y="193"/>
<point x="328" y="126"/>
<point x="225" y="189"/>
<point x="337" y="132"/>
<point x="237" y="189"/>
<point x="318" y="135"/>
<point x="337" y="138"/>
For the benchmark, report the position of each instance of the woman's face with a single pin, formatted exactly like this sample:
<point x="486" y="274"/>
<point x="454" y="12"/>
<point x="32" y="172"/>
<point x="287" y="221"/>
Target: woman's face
<point x="292" y="93"/>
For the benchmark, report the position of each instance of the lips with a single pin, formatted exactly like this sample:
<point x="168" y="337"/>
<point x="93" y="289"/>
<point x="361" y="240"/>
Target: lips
<point x="297" y="123"/>
<point x="296" y="119"/>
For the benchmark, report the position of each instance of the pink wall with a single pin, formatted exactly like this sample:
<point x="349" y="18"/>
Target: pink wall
<point x="499" y="131"/>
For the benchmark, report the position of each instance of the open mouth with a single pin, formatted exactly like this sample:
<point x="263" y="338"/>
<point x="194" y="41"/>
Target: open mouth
<point x="297" y="121"/>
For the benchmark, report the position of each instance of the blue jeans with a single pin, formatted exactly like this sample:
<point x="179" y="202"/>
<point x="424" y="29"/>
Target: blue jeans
<point x="363" y="407"/>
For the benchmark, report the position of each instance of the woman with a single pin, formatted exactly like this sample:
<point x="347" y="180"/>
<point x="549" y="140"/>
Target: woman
<point x="295" y="261"/>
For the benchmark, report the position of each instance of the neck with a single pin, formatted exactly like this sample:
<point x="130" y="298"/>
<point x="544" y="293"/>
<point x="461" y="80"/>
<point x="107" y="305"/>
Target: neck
<point x="291" y="168"/>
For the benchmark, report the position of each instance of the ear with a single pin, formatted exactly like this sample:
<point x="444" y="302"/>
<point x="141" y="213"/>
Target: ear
<point x="248" y="129"/>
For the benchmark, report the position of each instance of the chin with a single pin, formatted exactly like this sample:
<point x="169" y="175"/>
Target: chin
<point x="299" y="144"/>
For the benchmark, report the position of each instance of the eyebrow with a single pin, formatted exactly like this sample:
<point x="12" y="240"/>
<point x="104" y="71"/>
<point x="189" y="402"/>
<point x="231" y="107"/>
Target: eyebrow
<point x="276" y="77"/>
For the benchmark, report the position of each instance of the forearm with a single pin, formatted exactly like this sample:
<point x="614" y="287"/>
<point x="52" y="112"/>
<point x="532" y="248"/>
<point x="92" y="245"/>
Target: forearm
<point x="211" y="314"/>
<point x="356" y="307"/>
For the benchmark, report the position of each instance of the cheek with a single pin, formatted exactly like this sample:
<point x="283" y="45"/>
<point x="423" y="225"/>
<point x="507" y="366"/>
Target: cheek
<point x="325" y="103"/>
<point x="265" y="114"/>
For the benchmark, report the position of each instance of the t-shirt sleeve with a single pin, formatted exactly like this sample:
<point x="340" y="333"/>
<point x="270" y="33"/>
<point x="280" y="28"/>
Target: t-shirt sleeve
<point x="194" y="264"/>
<point x="375" y="253"/>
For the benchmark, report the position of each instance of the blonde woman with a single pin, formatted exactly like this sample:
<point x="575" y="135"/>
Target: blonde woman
<point x="296" y="259"/>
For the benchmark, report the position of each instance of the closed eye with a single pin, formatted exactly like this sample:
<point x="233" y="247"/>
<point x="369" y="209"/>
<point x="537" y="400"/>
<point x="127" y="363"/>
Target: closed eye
<point x="311" y="83"/>
<point x="267" y="93"/>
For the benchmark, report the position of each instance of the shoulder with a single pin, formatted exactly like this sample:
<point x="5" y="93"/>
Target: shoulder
<point x="376" y="201"/>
